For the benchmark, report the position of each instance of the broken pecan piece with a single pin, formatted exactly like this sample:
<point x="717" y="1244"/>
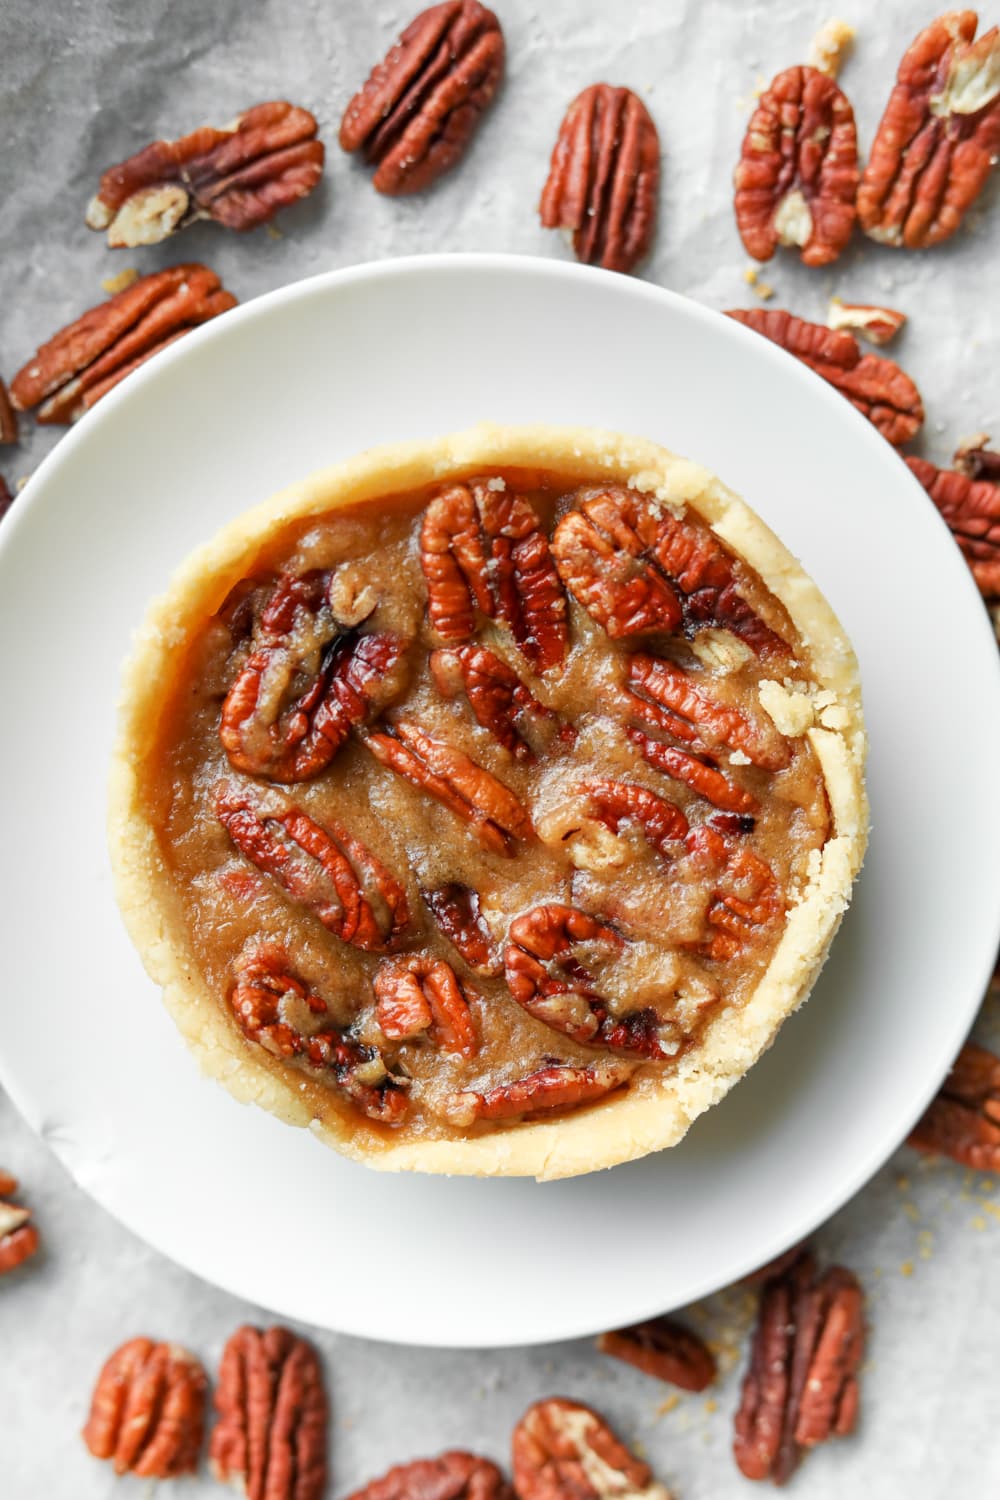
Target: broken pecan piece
<point x="878" y="325"/>
<point x="971" y="507"/>
<point x="667" y="697"/>
<point x="322" y="867"/>
<point x="439" y="770"/>
<point x="423" y="994"/>
<point x="271" y="1434"/>
<point x="938" y="138"/>
<point x="18" y="1236"/>
<point x="87" y="358"/>
<point x="265" y="995"/>
<point x="963" y="1120"/>
<point x="665" y="1349"/>
<point x="748" y="897"/>
<point x="563" y="1450"/>
<point x="879" y="389"/>
<point x="604" y="178"/>
<point x="798" y="172"/>
<point x="976" y="459"/>
<point x="497" y="696"/>
<point x="800" y="1388"/>
<point x="239" y="175"/>
<point x="451" y="1476"/>
<point x="455" y="909"/>
<point x="415" y="116"/>
<point x="8" y="417"/>
<point x="336" y="679"/>
<point x="147" y="1414"/>
<point x="701" y="776"/>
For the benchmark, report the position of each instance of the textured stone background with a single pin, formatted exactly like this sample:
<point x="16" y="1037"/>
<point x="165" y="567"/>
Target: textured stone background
<point x="83" y="84"/>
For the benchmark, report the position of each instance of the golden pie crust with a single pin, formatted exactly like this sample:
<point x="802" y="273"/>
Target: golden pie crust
<point x="827" y="710"/>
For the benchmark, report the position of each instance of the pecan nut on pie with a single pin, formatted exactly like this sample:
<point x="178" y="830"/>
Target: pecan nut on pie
<point x="488" y="803"/>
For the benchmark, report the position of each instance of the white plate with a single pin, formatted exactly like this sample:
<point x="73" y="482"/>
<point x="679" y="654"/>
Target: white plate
<point x="408" y="349"/>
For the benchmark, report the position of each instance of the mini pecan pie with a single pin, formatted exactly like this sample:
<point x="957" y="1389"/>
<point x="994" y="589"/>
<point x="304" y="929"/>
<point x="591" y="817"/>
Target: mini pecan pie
<point x="487" y="804"/>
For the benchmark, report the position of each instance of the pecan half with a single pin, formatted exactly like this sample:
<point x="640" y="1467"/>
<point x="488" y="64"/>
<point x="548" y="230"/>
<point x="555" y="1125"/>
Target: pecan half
<point x="971" y="507"/>
<point x="702" y="776"/>
<point x="239" y="175"/>
<point x="878" y="325"/>
<point x="321" y="867"/>
<point x="86" y="359"/>
<point x="938" y="138"/>
<point x="8" y="417"/>
<point x="499" y="699"/>
<point x="452" y="1476"/>
<point x="550" y="1088"/>
<point x="147" y="1414"/>
<point x="271" y="1434"/>
<point x="798" y="172"/>
<point x="963" y="1121"/>
<point x="747" y="899"/>
<point x="268" y="999"/>
<point x="19" y="1238"/>
<point x="976" y="459"/>
<point x="482" y="549"/>
<point x="455" y="909"/>
<point x="879" y="389"/>
<point x="801" y="1387"/>
<point x="423" y="994"/>
<point x="306" y="684"/>
<point x="614" y="803"/>
<point x="665" y="1349"/>
<point x="439" y="770"/>
<point x="418" y="111"/>
<point x="604" y="178"/>
<point x="664" y="695"/>
<point x="563" y="1450"/>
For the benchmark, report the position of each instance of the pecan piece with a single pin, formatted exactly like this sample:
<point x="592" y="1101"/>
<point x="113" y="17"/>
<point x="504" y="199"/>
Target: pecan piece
<point x="635" y="567"/>
<point x="976" y="459"/>
<point x="563" y="1450"/>
<point x="321" y="867"/>
<point x="616" y="802"/>
<point x="876" y="386"/>
<point x="8" y="417"/>
<point x="800" y="1388"/>
<point x="239" y="175"/>
<point x="497" y="696"/>
<point x="701" y="776"/>
<point x="483" y="548"/>
<point x="264" y="998"/>
<point x="451" y="1476"/>
<point x="552" y="1087"/>
<point x="495" y="815"/>
<point x="147" y="1414"/>
<point x="747" y="899"/>
<point x="86" y="359"/>
<point x="18" y="1236"/>
<point x="938" y="138"/>
<point x="798" y="172"/>
<point x="423" y="994"/>
<point x="271" y="1434"/>
<point x="6" y="498"/>
<point x="666" y="696"/>
<point x="420" y="107"/>
<point x="963" y="1120"/>
<point x="455" y="909"/>
<point x="665" y="1349"/>
<point x="878" y="325"/>
<point x="604" y="178"/>
<point x="971" y="507"/>
<point x="347" y="680"/>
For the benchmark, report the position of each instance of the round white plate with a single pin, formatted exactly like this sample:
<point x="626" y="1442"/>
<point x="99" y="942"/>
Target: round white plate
<point x="410" y="349"/>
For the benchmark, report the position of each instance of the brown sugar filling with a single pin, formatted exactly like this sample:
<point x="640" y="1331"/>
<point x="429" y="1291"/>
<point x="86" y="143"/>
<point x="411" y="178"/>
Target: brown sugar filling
<point x="472" y="805"/>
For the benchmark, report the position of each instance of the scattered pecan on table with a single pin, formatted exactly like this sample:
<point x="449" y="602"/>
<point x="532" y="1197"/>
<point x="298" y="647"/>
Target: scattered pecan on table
<point x="87" y="358"/>
<point x="798" y="172"/>
<point x="938" y="138"/>
<point x="18" y="1236"/>
<point x="963" y="1121"/>
<point x="971" y="507"/>
<point x="8" y="417"/>
<point x="148" y="1410"/>
<point x="665" y="1349"/>
<point x="604" y="178"/>
<point x="451" y="1476"/>
<point x="240" y="175"/>
<point x="976" y="459"/>
<point x="879" y="389"/>
<point x="6" y="498"/>
<point x="415" y="116"/>
<point x="270" y="1439"/>
<point x="879" y="325"/>
<point x="800" y="1388"/>
<point x="563" y="1450"/>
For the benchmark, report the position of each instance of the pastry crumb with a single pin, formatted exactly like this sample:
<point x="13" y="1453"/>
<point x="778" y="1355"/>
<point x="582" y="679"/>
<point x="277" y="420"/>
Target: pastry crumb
<point x="830" y="46"/>
<point x="114" y="284"/>
<point x="906" y="1269"/>
<point x="669" y="1405"/>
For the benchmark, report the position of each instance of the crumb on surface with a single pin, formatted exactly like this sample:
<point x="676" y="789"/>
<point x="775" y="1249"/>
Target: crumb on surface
<point x="830" y="46"/>
<point x="114" y="284"/>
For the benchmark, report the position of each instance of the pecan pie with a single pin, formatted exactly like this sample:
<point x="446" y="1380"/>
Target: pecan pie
<point x="487" y="804"/>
